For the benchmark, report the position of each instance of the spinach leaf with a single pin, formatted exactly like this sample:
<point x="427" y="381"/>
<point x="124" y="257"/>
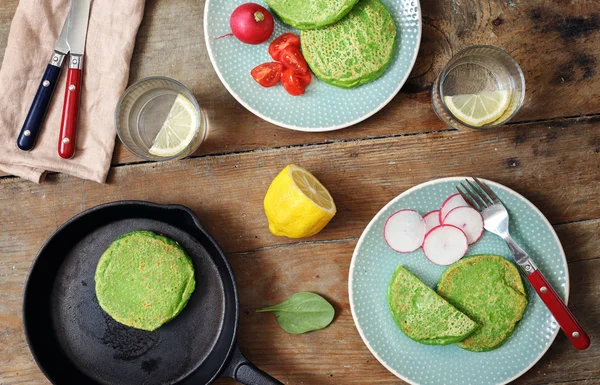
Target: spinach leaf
<point x="302" y="312"/>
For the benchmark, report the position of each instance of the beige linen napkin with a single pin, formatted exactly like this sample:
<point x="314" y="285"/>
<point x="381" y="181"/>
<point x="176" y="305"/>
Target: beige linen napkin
<point x="35" y="27"/>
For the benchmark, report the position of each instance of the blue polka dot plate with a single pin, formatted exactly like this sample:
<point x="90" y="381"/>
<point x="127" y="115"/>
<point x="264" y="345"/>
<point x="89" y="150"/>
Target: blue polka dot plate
<point x="374" y="262"/>
<point x="323" y="107"/>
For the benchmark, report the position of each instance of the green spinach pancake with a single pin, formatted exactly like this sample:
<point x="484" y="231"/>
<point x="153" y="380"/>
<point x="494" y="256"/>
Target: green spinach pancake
<point x="488" y="289"/>
<point x="423" y="315"/>
<point x="309" y="14"/>
<point x="355" y="50"/>
<point x="144" y="280"/>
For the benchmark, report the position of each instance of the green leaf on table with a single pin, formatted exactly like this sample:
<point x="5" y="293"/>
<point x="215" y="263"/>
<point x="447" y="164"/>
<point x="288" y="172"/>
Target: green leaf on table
<point x="302" y="312"/>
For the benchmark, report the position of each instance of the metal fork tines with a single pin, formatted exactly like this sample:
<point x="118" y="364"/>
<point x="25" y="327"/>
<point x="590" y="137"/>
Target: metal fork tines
<point x="495" y="218"/>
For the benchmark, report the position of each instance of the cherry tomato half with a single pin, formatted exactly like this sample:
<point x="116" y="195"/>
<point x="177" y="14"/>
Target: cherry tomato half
<point x="267" y="74"/>
<point x="304" y="79"/>
<point x="292" y="82"/>
<point x="277" y="45"/>
<point x="292" y="58"/>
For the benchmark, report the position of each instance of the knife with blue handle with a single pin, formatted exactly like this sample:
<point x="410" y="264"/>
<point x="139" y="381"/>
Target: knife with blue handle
<point x="37" y="112"/>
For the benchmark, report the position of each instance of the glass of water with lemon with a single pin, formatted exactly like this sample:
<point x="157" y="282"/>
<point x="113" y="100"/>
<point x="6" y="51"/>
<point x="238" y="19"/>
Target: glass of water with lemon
<point x="480" y="87"/>
<point x="158" y="118"/>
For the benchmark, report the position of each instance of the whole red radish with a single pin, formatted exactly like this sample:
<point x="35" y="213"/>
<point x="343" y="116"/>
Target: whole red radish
<point x="251" y="23"/>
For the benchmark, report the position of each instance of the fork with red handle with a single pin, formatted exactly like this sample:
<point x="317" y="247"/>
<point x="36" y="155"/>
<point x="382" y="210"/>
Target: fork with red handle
<point x="495" y="220"/>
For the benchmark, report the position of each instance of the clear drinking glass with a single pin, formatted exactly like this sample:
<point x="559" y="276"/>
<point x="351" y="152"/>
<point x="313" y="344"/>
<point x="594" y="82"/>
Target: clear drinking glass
<point x="142" y="110"/>
<point x="475" y="70"/>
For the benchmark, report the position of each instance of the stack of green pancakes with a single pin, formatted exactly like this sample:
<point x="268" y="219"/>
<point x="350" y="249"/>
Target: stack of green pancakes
<point x="478" y="304"/>
<point x="345" y="42"/>
<point x="144" y="280"/>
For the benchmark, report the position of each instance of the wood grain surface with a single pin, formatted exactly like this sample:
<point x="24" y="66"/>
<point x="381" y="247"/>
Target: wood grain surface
<point x="556" y="44"/>
<point x="550" y="153"/>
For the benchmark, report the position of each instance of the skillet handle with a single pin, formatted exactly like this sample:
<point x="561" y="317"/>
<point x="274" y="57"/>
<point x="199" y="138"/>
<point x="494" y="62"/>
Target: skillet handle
<point x="245" y="372"/>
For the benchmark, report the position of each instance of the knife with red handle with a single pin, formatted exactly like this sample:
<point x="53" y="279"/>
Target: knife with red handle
<point x="68" y="126"/>
<point x="76" y="37"/>
<point x="559" y="310"/>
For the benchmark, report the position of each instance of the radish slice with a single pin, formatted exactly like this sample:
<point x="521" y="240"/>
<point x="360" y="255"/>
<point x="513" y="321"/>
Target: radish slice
<point x="432" y="219"/>
<point x="468" y="220"/>
<point x="404" y="231"/>
<point x="445" y="244"/>
<point x="453" y="201"/>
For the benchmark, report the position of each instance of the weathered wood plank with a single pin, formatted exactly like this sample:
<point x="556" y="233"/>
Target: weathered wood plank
<point x="591" y="381"/>
<point x="171" y="43"/>
<point x="227" y="191"/>
<point x="554" y="164"/>
<point x="336" y="354"/>
<point x="535" y="33"/>
<point x="218" y="190"/>
<point x="575" y="239"/>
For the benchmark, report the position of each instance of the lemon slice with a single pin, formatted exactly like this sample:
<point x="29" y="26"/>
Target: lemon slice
<point x="297" y="205"/>
<point x="479" y="109"/>
<point x="178" y="130"/>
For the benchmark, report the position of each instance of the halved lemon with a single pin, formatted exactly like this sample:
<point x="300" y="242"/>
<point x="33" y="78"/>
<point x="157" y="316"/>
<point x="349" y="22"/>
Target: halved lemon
<point x="297" y="205"/>
<point x="479" y="109"/>
<point x="178" y="130"/>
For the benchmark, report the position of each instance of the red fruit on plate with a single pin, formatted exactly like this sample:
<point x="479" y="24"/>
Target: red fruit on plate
<point x="454" y="200"/>
<point x="267" y="74"/>
<point x="445" y="244"/>
<point x="304" y="79"/>
<point x="292" y="58"/>
<point x="468" y="220"/>
<point x="251" y="23"/>
<point x="277" y="45"/>
<point x="292" y="82"/>
<point x="404" y="231"/>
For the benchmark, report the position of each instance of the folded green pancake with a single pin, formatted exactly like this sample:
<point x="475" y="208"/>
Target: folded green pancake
<point x="355" y="50"/>
<point x="423" y="315"/>
<point x="488" y="289"/>
<point x="310" y="14"/>
<point x="144" y="280"/>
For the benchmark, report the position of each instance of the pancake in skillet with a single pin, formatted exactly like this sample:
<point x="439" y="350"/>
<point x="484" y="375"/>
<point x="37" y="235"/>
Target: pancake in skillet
<point x="488" y="289"/>
<point x="423" y="315"/>
<point x="309" y="14"/>
<point x="144" y="280"/>
<point x="355" y="50"/>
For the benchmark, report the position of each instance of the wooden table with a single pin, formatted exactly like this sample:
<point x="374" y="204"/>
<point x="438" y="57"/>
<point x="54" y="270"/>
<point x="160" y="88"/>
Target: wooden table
<point x="550" y="153"/>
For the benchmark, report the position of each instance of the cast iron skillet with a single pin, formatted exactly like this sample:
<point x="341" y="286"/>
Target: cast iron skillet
<point x="75" y="342"/>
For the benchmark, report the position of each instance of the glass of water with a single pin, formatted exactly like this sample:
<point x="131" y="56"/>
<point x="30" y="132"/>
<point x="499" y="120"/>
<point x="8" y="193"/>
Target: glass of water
<point x="480" y="87"/>
<point x="150" y="105"/>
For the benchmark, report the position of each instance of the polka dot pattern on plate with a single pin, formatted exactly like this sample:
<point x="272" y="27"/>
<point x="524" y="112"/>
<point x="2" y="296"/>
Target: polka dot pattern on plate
<point x="322" y="107"/>
<point x="374" y="262"/>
